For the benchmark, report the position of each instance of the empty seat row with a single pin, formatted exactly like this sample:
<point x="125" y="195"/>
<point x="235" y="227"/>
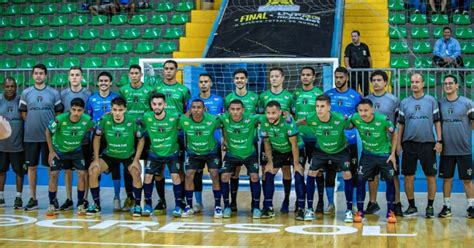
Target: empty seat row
<point x="420" y="19"/>
<point x="424" y="32"/>
<point x="422" y="62"/>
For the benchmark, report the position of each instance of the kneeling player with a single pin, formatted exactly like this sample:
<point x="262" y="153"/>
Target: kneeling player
<point x="120" y="132"/>
<point x="64" y="136"/>
<point x="378" y="154"/>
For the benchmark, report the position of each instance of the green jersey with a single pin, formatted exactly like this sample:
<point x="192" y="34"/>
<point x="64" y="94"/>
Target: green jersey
<point x="240" y="136"/>
<point x="250" y="101"/>
<point x="374" y="134"/>
<point x="163" y="133"/>
<point x="137" y="99"/>
<point x="285" y="98"/>
<point x="330" y="137"/>
<point x="200" y="135"/>
<point x="120" y="137"/>
<point x="279" y="134"/>
<point x="67" y="136"/>
<point x="305" y="104"/>
<point x="177" y="95"/>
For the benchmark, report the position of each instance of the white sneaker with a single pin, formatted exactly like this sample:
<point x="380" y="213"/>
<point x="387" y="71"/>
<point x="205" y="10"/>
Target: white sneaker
<point x="188" y="212"/>
<point x="117" y="204"/>
<point x="197" y="208"/>
<point x="309" y="215"/>
<point x="330" y="210"/>
<point x="218" y="213"/>
<point x="349" y="218"/>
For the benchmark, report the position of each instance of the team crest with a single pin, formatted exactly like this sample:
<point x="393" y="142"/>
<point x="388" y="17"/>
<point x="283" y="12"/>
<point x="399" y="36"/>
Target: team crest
<point x="450" y="110"/>
<point x="186" y="123"/>
<point x="10" y="109"/>
<point x="198" y="133"/>
<point x="305" y="101"/>
<point x="84" y="123"/>
<point x="117" y="134"/>
<point x="377" y="105"/>
<point x="326" y="132"/>
<point x="39" y="99"/>
<point x="367" y="133"/>
<point x="237" y="130"/>
<point x="469" y="171"/>
<point x="339" y="102"/>
<point x="74" y="133"/>
<point x="161" y="129"/>
<point x="104" y="107"/>
<point x="417" y="107"/>
<point x="64" y="123"/>
<point x="172" y="119"/>
<point x="337" y="122"/>
<point x="135" y="99"/>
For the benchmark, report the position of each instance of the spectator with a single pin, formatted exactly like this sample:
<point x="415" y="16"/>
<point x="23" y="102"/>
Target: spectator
<point x="128" y="5"/>
<point x="418" y="5"/>
<point x="103" y="7"/>
<point x="457" y="5"/>
<point x="357" y="55"/>
<point x="447" y="51"/>
<point x="443" y="5"/>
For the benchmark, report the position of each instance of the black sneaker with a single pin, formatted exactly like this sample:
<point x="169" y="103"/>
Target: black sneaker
<point x="268" y="213"/>
<point x="160" y="208"/>
<point x="32" y="205"/>
<point x="470" y="213"/>
<point x="233" y="206"/>
<point x="410" y="212"/>
<point x="320" y="208"/>
<point x="2" y="202"/>
<point x="372" y="207"/>
<point x="285" y="207"/>
<point x="445" y="212"/>
<point x="67" y="205"/>
<point x="300" y="214"/>
<point x="429" y="212"/>
<point x="18" y="203"/>
<point x="398" y="209"/>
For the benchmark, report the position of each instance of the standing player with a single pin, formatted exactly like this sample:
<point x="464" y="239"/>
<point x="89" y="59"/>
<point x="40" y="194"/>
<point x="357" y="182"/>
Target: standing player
<point x="38" y="105"/>
<point x="378" y="154"/>
<point x="285" y="98"/>
<point x="457" y="118"/>
<point x="120" y="131"/>
<point x="417" y="115"/>
<point x="64" y="137"/>
<point x="305" y="100"/>
<point x="11" y="149"/>
<point x="344" y="100"/>
<point x="239" y="136"/>
<point x="283" y="146"/>
<point x="388" y="105"/>
<point x="137" y="95"/>
<point x="75" y="90"/>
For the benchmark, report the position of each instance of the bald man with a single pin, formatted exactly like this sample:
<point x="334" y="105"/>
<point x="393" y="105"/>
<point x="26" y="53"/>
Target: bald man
<point x="5" y="129"/>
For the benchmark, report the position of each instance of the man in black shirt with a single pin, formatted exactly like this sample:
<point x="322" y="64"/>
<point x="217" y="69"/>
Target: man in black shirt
<point x="357" y="55"/>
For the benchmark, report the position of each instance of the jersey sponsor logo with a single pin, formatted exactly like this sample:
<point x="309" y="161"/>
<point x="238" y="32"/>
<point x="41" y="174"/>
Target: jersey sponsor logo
<point x="129" y="124"/>
<point x="64" y="123"/>
<point x="337" y="122"/>
<point x="378" y="123"/>
<point x="469" y="171"/>
<point x="172" y="119"/>
<point x="84" y="123"/>
<point x="186" y="123"/>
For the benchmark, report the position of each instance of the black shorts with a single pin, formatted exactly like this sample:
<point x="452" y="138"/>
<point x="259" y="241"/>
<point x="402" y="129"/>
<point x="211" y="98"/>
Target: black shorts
<point x="33" y="150"/>
<point x="87" y="154"/>
<point x="414" y="151"/>
<point x="230" y="163"/>
<point x="448" y="163"/>
<point x="308" y="151"/>
<point x="339" y="161"/>
<point x="377" y="172"/>
<point x="68" y="161"/>
<point x="15" y="159"/>
<point x="113" y="165"/>
<point x="155" y="164"/>
<point x="371" y="164"/>
<point x="286" y="159"/>
<point x="197" y="162"/>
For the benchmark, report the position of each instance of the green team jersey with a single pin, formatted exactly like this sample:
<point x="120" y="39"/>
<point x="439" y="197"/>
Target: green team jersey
<point x="279" y="134"/>
<point x="120" y="137"/>
<point x="305" y="104"/>
<point x="330" y="137"/>
<point x="67" y="136"/>
<point x="374" y="134"/>
<point x="177" y="96"/>
<point x="285" y="98"/>
<point x="200" y="135"/>
<point x="240" y="136"/>
<point x="163" y="133"/>
<point x="250" y="101"/>
<point x="137" y="99"/>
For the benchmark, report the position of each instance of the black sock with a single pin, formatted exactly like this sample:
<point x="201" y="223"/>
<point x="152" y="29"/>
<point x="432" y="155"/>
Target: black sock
<point x="160" y="188"/>
<point x="411" y="203"/>
<point x="430" y="203"/>
<point x="234" y="188"/>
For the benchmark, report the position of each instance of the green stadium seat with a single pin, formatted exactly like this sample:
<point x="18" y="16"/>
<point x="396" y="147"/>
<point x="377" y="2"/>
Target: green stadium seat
<point x="30" y="9"/>
<point x="159" y="19"/>
<point x="464" y="33"/>
<point x="144" y="47"/>
<point x="29" y="34"/>
<point x="4" y="22"/>
<point x="165" y="7"/>
<point x="49" y="9"/>
<point x="185" y="6"/>
<point x="101" y="48"/>
<point x="467" y="47"/>
<point x="49" y="34"/>
<point x="69" y="34"/>
<point x="10" y="34"/>
<point x="60" y="79"/>
<point x="38" y="48"/>
<point x="152" y="33"/>
<point x="397" y="18"/>
<point x="21" y="21"/>
<point x="420" y="33"/>
<point x="398" y="47"/>
<point x="133" y="61"/>
<point x="59" y="20"/>
<point x="110" y="34"/>
<point x="166" y="47"/>
<point x="19" y="1"/>
<point x="40" y="21"/>
<point x="418" y="19"/>
<point x="28" y="63"/>
<point x="130" y="34"/>
<point x="397" y="32"/>
<point x="79" y="20"/>
<point x="3" y="47"/>
<point x="51" y="62"/>
<point x="173" y="33"/>
<point x="469" y="62"/>
<point x="437" y="32"/>
<point x="422" y="47"/>
<point x="469" y="80"/>
<point x="38" y="1"/>
<point x="98" y="20"/>
<point x="7" y="63"/>
<point x="179" y="19"/>
<point x="118" y="20"/>
<point x="124" y="80"/>
<point x="114" y="62"/>
<point x="423" y="62"/>
<point x="3" y="1"/>
<point x="68" y="8"/>
<point x="396" y="5"/>
<point x="405" y="80"/>
<point x="69" y="62"/>
<point x="430" y="79"/>
<point x="12" y="10"/>
<point x="140" y="19"/>
<point x="59" y="48"/>
<point x="460" y="19"/>
<point x="123" y="47"/>
<point x="18" y="49"/>
<point x="399" y="62"/>
<point x="89" y="34"/>
<point x="80" y="48"/>
<point x="93" y="62"/>
<point x="440" y="19"/>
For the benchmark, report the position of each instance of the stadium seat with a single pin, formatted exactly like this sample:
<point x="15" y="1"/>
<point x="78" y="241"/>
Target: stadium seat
<point x="89" y="34"/>
<point x="396" y="18"/>
<point x="80" y="48"/>
<point x="110" y="34"/>
<point x="397" y="32"/>
<point x="69" y="62"/>
<point x="118" y="20"/>
<point x="40" y="21"/>
<point x="30" y="9"/>
<point x="28" y="63"/>
<point x="418" y="19"/>
<point x="101" y="48"/>
<point x="437" y="32"/>
<point x="423" y="62"/>
<point x="133" y="61"/>
<point x="10" y="34"/>
<point x="165" y="6"/>
<point x="144" y="47"/>
<point x="173" y="33"/>
<point x="69" y="34"/>
<point x="123" y="47"/>
<point x="396" y="5"/>
<point x="38" y="48"/>
<point x="7" y="63"/>
<point x="68" y="8"/>
<point x="98" y="20"/>
<point x="179" y="19"/>
<point x="4" y="22"/>
<point x="124" y="80"/>
<point x="59" y="48"/>
<point x="114" y="62"/>
<point x="152" y="33"/>
<point x="398" y="47"/>
<point x="29" y="34"/>
<point x="159" y="19"/>
<point x="460" y="19"/>
<point x="185" y="6"/>
<point x="469" y="62"/>
<point x="38" y="1"/>
<point x="18" y="49"/>
<point x="130" y="34"/>
<point x="140" y="19"/>
<point x="399" y="62"/>
<point x="440" y="19"/>
<point x="60" y="79"/>
<point x="18" y="1"/>
<point x="51" y="62"/>
<point x="59" y="20"/>
<point x="12" y="10"/>
<point x="79" y="20"/>
<point x="3" y="47"/>
<point x="49" y="9"/>
<point x="430" y="79"/>
<point x="93" y="62"/>
<point x="49" y="34"/>
<point x="166" y="47"/>
<point x="420" y="33"/>
<point x="21" y="21"/>
<point x="3" y="1"/>
<point x="464" y="33"/>
<point x="404" y="80"/>
<point x="467" y="47"/>
<point x="422" y="47"/>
